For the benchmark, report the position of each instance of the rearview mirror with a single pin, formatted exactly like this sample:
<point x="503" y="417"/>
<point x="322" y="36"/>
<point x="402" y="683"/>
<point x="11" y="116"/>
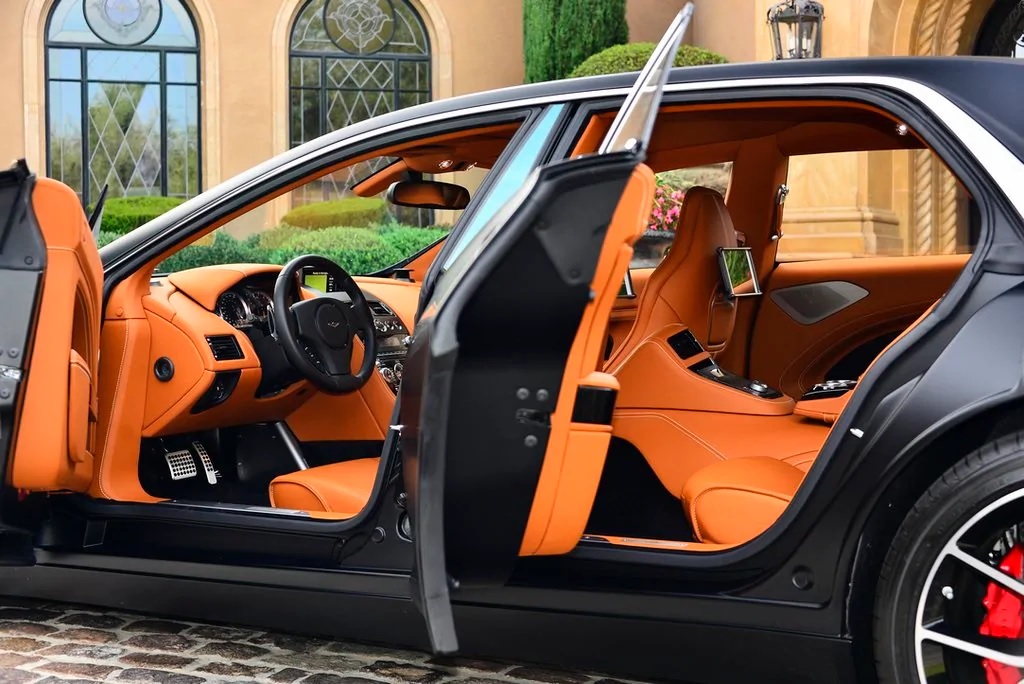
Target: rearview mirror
<point x="739" y="277"/>
<point x="425" y="194"/>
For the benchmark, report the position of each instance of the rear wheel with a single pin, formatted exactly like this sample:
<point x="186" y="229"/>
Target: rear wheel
<point x="950" y="601"/>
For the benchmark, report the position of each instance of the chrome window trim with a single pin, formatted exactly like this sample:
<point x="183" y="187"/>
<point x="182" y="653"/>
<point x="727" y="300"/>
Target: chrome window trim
<point x="1000" y="164"/>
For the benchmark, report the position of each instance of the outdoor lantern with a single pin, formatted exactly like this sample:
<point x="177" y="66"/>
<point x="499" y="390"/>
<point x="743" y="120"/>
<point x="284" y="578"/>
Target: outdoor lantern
<point x="796" y="28"/>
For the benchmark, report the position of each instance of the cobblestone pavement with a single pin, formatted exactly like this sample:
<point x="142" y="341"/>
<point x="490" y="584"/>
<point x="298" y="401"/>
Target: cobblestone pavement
<point x="46" y="642"/>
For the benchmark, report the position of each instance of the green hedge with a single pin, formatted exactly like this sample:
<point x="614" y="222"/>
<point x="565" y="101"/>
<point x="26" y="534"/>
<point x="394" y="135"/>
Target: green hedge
<point x="124" y="214"/>
<point x="350" y="211"/>
<point x="559" y="34"/>
<point x="358" y="250"/>
<point x="632" y="57"/>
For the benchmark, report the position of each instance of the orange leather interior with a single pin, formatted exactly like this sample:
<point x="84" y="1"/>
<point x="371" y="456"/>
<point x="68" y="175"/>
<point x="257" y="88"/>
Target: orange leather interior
<point x="677" y="444"/>
<point x="624" y="309"/>
<point x="654" y="377"/>
<point x="133" y="405"/>
<point x="339" y="488"/>
<point x="686" y="285"/>
<point x="732" y="502"/>
<point x="576" y="451"/>
<point x="56" y="438"/>
<point x="175" y="319"/>
<point x="792" y="356"/>
<point x="825" y="410"/>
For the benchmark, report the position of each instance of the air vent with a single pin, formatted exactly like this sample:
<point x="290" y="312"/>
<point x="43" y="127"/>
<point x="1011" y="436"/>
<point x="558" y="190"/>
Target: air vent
<point x="379" y="308"/>
<point x="224" y="347"/>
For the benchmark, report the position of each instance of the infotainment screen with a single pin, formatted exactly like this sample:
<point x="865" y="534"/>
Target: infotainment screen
<point x="739" y="277"/>
<point x="318" y="280"/>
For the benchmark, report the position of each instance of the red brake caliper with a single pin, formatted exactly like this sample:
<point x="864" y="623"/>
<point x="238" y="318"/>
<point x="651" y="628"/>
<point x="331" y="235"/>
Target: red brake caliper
<point x="1004" y="617"/>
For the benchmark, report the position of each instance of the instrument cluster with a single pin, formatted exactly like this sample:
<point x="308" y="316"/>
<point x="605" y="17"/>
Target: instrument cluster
<point x="244" y="307"/>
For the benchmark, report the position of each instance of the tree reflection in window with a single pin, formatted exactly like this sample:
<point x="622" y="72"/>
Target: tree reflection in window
<point x="351" y="60"/>
<point x="123" y="97"/>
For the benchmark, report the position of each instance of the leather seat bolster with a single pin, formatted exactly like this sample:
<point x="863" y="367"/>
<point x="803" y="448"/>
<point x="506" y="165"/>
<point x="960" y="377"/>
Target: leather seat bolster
<point x="342" y="488"/>
<point x="733" y="501"/>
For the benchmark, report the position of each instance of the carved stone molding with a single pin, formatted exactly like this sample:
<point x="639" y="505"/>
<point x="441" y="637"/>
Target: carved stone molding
<point x="933" y="212"/>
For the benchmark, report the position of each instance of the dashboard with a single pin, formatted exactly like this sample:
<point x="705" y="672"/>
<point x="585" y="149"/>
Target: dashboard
<point x="247" y="306"/>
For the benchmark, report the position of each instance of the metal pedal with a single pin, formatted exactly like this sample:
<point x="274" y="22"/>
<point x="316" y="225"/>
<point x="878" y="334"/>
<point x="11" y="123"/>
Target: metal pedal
<point x="204" y="457"/>
<point x="181" y="464"/>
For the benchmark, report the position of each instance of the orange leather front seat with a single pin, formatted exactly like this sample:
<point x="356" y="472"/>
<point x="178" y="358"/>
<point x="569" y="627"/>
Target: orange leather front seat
<point x="686" y="285"/>
<point x="341" y="489"/>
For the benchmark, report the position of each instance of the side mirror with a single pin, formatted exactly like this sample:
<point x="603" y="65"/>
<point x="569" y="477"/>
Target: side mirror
<point x="739" y="277"/>
<point x="425" y="194"/>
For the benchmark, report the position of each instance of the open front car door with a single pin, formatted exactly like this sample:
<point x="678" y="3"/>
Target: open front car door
<point x="51" y="279"/>
<point x="506" y="419"/>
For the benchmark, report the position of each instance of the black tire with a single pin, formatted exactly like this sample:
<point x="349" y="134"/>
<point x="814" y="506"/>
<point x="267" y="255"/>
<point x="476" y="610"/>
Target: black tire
<point x="975" y="481"/>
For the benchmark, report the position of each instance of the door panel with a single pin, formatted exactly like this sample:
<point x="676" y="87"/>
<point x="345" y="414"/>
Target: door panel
<point x="486" y="372"/>
<point x="816" y="317"/>
<point x="51" y="279"/>
<point x="57" y="426"/>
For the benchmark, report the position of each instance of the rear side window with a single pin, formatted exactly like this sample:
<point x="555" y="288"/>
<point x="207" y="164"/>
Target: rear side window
<point x="825" y="218"/>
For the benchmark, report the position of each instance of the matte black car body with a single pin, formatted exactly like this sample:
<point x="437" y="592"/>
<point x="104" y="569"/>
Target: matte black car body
<point x="791" y="606"/>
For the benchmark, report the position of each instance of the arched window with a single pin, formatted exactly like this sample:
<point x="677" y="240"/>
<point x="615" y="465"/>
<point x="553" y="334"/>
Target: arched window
<point x="122" y="105"/>
<point x="1002" y="32"/>
<point x="352" y="60"/>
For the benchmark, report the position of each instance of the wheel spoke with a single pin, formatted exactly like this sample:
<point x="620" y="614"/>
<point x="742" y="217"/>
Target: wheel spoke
<point x="1006" y="651"/>
<point x="993" y="573"/>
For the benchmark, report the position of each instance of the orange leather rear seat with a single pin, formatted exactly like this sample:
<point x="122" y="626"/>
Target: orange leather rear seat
<point x="732" y="501"/>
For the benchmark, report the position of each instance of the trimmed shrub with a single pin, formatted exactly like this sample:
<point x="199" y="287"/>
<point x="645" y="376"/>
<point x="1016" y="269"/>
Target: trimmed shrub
<point x="408" y="240"/>
<point x="632" y="57"/>
<point x="559" y="34"/>
<point x="357" y="250"/>
<point x="224" y="250"/>
<point x="105" y="238"/>
<point x="357" y="212"/>
<point x="124" y="214"/>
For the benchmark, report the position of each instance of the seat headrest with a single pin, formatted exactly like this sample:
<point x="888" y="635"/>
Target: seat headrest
<point x="704" y="225"/>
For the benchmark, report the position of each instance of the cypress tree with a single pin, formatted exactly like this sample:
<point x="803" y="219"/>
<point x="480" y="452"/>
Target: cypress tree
<point x="560" y="34"/>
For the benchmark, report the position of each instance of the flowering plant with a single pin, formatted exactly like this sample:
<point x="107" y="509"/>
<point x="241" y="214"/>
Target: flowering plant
<point x="668" y="200"/>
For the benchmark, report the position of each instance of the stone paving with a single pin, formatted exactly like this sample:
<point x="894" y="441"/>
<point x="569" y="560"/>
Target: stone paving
<point x="46" y="642"/>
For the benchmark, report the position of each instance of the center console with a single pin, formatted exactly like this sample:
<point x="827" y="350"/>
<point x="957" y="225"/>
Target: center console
<point x="671" y="371"/>
<point x="688" y="348"/>
<point x="392" y="342"/>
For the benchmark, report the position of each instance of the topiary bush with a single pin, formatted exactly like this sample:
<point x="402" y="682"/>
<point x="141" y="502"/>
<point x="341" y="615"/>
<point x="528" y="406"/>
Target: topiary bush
<point x="124" y="214"/>
<point x="224" y="250"/>
<point x="357" y="250"/>
<point x="632" y="57"/>
<point x="559" y="34"/>
<point x="351" y="211"/>
<point x="409" y="240"/>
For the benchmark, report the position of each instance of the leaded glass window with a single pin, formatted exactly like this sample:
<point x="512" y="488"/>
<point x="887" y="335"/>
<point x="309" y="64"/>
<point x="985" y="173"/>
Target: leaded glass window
<point x="351" y="60"/>
<point x="122" y="103"/>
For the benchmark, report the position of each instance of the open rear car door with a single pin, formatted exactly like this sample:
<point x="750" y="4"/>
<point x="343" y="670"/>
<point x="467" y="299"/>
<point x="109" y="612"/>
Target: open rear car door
<point x="506" y="419"/>
<point x="51" y="286"/>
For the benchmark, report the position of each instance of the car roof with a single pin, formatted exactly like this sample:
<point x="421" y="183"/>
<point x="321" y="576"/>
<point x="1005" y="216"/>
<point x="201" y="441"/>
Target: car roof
<point x="970" y="82"/>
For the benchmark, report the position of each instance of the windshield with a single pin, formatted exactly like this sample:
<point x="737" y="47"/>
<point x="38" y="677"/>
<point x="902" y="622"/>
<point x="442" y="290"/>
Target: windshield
<point x="510" y="180"/>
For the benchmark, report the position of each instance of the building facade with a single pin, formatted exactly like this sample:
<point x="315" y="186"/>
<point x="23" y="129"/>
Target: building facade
<point x="170" y="97"/>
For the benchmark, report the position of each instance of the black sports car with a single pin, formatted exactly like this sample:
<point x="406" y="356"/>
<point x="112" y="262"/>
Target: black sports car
<point x="536" y="434"/>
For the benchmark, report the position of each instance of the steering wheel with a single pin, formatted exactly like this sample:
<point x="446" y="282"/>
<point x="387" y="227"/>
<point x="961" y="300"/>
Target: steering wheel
<point x="317" y="335"/>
